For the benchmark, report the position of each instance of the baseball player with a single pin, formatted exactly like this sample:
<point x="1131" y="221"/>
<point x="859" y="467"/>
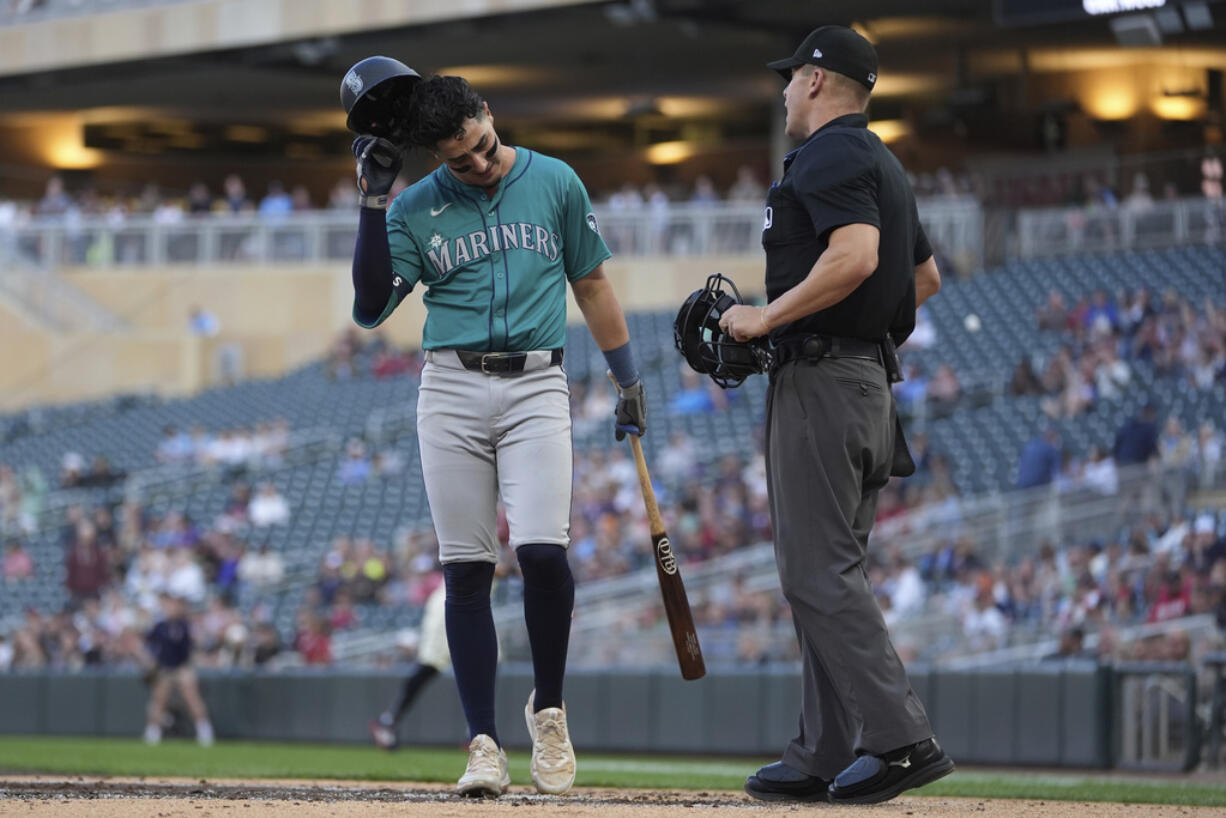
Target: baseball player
<point x="432" y="658"/>
<point x="493" y="236"/>
<point x="168" y="664"/>
<point x="847" y="264"/>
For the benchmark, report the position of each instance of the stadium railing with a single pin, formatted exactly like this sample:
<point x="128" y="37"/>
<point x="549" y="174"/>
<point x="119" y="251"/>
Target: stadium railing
<point x="960" y="229"/>
<point x="1063" y="230"/>
<point x="328" y="235"/>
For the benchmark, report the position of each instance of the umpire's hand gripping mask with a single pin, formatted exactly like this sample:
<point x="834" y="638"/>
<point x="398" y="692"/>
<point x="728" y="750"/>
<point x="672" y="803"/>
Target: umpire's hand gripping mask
<point x="707" y="348"/>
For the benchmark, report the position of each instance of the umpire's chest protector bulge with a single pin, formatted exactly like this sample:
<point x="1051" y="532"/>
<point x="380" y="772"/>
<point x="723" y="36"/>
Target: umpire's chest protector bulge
<point x="841" y="175"/>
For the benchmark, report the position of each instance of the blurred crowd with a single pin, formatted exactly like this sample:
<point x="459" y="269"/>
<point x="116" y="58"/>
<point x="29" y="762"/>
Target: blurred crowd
<point x="118" y="559"/>
<point x="1105" y="335"/>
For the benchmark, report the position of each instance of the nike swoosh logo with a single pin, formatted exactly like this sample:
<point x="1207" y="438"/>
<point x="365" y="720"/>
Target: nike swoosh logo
<point x="436" y="211"/>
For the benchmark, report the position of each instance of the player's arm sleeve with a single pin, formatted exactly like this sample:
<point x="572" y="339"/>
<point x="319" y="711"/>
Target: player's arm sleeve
<point x="583" y="248"/>
<point x="385" y="266"/>
<point x="836" y="180"/>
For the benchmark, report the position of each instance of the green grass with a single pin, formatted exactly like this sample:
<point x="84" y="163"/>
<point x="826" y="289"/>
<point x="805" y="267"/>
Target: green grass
<point x="130" y="758"/>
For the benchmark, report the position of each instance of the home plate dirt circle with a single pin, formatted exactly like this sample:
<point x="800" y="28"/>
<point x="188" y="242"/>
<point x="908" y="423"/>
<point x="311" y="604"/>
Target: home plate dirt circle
<point x="172" y="798"/>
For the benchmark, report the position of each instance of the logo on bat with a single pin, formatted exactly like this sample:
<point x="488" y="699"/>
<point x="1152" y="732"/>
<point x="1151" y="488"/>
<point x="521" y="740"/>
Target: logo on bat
<point x="664" y="554"/>
<point x="691" y="645"/>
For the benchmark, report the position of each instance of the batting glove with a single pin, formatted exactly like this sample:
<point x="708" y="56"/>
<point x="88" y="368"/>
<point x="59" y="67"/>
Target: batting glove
<point x="378" y="165"/>
<point x="631" y="412"/>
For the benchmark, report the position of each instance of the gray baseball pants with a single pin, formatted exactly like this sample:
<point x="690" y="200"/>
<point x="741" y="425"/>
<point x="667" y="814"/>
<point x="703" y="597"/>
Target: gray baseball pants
<point x="483" y="437"/>
<point x="829" y="441"/>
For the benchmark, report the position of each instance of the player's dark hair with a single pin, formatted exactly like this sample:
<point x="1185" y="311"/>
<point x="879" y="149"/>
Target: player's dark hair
<point x="438" y="110"/>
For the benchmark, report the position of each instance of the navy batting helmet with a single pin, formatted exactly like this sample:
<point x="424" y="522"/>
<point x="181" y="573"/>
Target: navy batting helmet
<point x="707" y="348"/>
<point x="375" y="92"/>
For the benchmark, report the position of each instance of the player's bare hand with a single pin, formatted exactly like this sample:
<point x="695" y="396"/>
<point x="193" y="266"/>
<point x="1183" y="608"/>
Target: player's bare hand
<point x="744" y="322"/>
<point x="378" y="164"/>
<point x="631" y="412"/>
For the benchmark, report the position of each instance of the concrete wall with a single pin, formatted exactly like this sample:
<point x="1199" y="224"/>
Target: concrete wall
<point x="1055" y="715"/>
<point x="280" y="316"/>
<point x="145" y="32"/>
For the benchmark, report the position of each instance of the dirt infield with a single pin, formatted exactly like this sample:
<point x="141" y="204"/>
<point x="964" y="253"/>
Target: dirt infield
<point x="82" y="796"/>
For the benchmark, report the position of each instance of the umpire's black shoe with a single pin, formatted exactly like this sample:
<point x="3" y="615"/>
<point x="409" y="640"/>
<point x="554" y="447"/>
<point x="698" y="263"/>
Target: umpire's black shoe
<point x="779" y="782"/>
<point x="871" y="779"/>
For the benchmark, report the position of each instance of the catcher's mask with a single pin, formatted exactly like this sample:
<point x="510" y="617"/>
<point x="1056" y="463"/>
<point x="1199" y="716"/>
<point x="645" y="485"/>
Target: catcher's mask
<point x="707" y="348"/>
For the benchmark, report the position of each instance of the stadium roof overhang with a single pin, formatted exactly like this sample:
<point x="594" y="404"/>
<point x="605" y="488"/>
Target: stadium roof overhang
<point x="583" y="74"/>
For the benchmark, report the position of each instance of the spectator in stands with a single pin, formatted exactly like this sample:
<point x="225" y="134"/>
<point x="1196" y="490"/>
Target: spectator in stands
<point x="1111" y="374"/>
<point x="696" y="396"/>
<point x="1100" y="473"/>
<point x="18" y="564"/>
<point x="1211" y="176"/>
<point x="185" y="577"/>
<point x="234" y="195"/>
<point x="265" y="644"/>
<point x="355" y="468"/>
<point x="300" y="198"/>
<point x="261" y="569"/>
<point x="1137" y="440"/>
<point x="704" y="192"/>
<point x="983" y="624"/>
<point x="313" y="640"/>
<point x="1025" y="381"/>
<point x="1072" y="645"/>
<point x="1208" y="452"/>
<point x="342" y="614"/>
<point x="1053" y="315"/>
<point x="1040" y="460"/>
<point x="1173" y="600"/>
<point x="944" y="391"/>
<point x="199" y="200"/>
<point x="55" y="202"/>
<point x="101" y="474"/>
<point x="746" y="188"/>
<point x="343" y="196"/>
<point x="1139" y="200"/>
<point x="268" y="507"/>
<point x="924" y="335"/>
<point x="174" y="447"/>
<point x="276" y="204"/>
<point x="87" y="565"/>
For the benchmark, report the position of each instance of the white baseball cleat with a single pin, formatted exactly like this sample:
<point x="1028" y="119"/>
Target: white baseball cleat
<point x="553" y="757"/>
<point x="486" y="775"/>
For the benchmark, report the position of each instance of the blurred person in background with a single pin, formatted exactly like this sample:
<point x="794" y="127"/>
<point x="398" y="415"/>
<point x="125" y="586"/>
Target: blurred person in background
<point x="432" y="658"/>
<point x="168" y="667"/>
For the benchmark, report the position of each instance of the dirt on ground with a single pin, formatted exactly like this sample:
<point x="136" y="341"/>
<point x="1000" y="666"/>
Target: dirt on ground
<point x="170" y="798"/>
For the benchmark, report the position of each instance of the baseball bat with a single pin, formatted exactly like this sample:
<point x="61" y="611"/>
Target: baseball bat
<point x="668" y="572"/>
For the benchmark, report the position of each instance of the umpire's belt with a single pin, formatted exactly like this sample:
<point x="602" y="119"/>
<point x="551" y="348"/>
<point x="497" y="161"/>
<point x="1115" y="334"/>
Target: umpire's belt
<point x="495" y="363"/>
<point x="816" y="347"/>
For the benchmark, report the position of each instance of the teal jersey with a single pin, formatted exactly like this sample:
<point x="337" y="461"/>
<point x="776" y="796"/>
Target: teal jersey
<point x="495" y="270"/>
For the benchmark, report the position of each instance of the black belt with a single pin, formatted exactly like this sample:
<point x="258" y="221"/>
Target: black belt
<point x="500" y="363"/>
<point x="816" y="347"/>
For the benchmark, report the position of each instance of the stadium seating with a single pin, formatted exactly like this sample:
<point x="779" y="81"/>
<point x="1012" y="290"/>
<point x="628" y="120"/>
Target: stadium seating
<point x="982" y="439"/>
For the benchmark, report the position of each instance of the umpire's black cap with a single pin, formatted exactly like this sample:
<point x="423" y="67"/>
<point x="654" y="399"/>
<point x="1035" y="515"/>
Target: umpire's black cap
<point x="837" y="48"/>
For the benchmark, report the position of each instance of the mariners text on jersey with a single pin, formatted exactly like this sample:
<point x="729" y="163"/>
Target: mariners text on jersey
<point x="448" y="254"/>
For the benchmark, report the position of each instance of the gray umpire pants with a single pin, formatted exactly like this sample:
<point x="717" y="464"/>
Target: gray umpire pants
<point x="829" y="441"/>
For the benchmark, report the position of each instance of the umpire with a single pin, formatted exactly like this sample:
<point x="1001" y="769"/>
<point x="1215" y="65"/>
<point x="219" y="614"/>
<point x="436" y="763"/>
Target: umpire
<point x="847" y="263"/>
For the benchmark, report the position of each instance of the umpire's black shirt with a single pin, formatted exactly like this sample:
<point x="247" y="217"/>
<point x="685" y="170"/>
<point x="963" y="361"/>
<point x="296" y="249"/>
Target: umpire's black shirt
<point x="841" y="175"/>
